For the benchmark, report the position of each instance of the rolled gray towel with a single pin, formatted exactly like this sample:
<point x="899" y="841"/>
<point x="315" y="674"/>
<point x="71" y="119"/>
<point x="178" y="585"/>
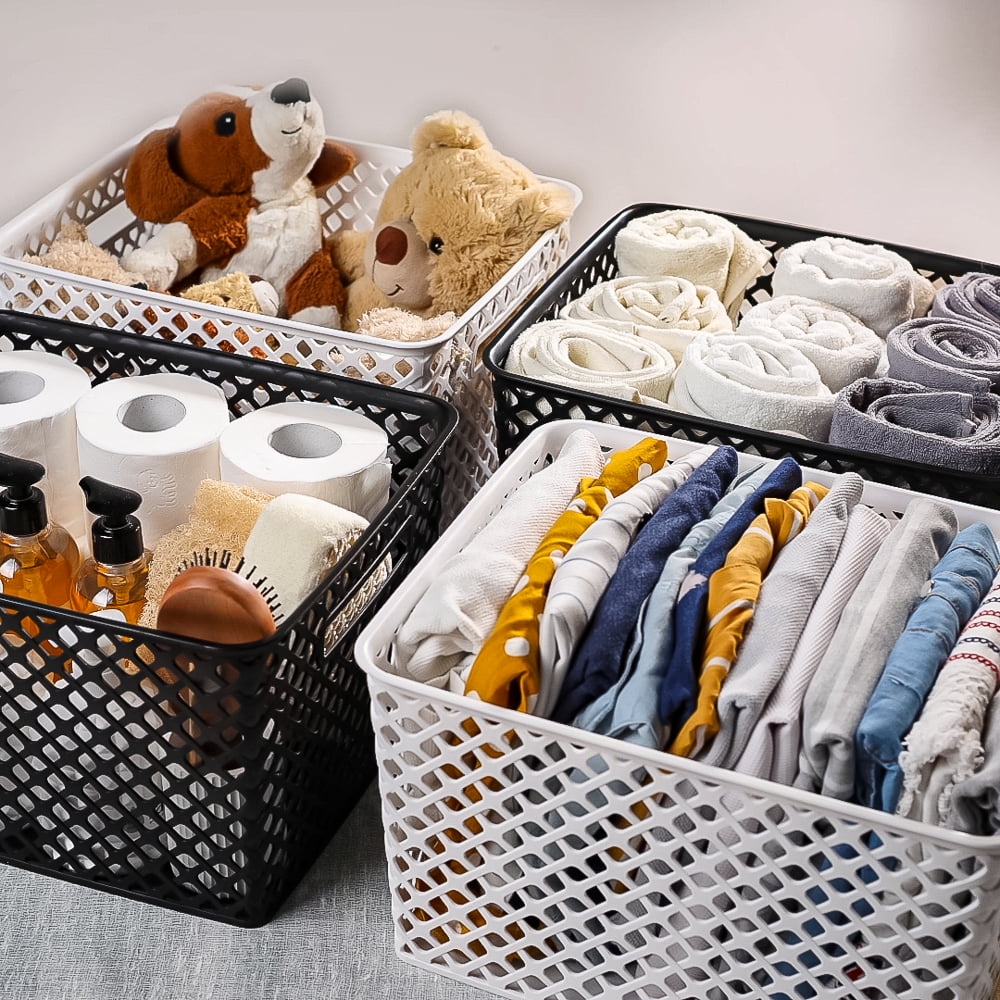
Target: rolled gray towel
<point x="953" y="430"/>
<point x="945" y="353"/>
<point x="975" y="296"/>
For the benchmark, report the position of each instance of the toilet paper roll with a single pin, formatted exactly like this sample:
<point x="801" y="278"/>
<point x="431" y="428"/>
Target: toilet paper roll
<point x="316" y="449"/>
<point x="155" y="434"/>
<point x="38" y="396"/>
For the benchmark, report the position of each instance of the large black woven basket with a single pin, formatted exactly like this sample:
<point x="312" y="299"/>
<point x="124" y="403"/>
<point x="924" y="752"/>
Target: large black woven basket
<point x="204" y="778"/>
<point x="522" y="403"/>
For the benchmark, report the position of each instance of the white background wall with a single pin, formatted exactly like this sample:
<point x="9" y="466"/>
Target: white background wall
<point x="872" y="117"/>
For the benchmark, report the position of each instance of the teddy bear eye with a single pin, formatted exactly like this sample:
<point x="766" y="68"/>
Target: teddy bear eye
<point x="226" y="124"/>
<point x="436" y="244"/>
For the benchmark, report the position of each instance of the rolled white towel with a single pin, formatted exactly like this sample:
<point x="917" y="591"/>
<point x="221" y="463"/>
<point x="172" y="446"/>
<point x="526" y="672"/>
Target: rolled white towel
<point x="872" y="283"/>
<point x="669" y="311"/>
<point x="841" y="347"/>
<point x="753" y="382"/>
<point x="705" y="249"/>
<point x="588" y="355"/>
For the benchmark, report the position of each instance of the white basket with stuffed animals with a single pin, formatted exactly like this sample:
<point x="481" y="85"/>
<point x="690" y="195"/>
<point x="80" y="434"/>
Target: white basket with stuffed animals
<point x="447" y="365"/>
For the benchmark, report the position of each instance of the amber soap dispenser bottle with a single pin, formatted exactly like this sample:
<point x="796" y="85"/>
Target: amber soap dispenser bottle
<point x="38" y="558"/>
<point x="112" y="582"/>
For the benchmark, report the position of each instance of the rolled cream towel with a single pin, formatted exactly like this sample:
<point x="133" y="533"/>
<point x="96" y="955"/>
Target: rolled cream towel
<point x="669" y="311"/>
<point x="753" y="382"/>
<point x="944" y="352"/>
<point x="588" y="355"/>
<point x="841" y="348"/>
<point x="705" y="249"/>
<point x="975" y="297"/>
<point x="872" y="283"/>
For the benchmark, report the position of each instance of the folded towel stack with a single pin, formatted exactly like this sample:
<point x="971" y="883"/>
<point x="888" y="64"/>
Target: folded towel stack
<point x="945" y="353"/>
<point x="753" y="382"/>
<point x="872" y="283"/>
<point x="840" y="347"/>
<point x="705" y="249"/>
<point x="975" y="296"/>
<point x="587" y="355"/>
<point x="953" y="430"/>
<point x="669" y="311"/>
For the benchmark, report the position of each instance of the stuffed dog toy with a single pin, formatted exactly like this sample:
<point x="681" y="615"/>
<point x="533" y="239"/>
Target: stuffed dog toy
<point x="234" y="186"/>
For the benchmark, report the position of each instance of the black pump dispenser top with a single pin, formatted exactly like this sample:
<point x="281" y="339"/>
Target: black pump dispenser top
<point x="116" y="536"/>
<point x="22" y="504"/>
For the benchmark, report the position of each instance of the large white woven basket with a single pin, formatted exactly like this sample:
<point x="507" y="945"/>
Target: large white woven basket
<point x="532" y="859"/>
<point x="448" y="366"/>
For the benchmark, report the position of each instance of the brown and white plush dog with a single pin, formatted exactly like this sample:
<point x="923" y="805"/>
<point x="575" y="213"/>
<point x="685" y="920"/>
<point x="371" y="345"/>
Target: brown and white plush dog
<point x="234" y="184"/>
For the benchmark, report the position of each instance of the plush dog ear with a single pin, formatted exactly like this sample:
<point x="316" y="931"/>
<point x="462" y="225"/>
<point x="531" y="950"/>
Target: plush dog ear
<point x="153" y="189"/>
<point x="334" y="162"/>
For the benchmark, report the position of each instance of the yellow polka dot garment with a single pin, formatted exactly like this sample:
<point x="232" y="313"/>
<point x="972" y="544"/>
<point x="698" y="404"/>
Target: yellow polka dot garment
<point x="506" y="670"/>
<point x="732" y="597"/>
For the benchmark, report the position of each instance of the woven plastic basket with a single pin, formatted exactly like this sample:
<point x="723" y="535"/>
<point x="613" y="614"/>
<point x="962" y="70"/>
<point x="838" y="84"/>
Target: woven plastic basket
<point x="448" y="366"/>
<point x="201" y="777"/>
<point x="532" y="859"/>
<point x="522" y="402"/>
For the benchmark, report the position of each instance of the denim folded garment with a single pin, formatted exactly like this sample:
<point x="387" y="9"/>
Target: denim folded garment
<point x="598" y="660"/>
<point x="870" y="624"/>
<point x="679" y="689"/>
<point x="957" y="586"/>
<point x="953" y="430"/>
<point x="945" y="353"/>
<point x="783" y="607"/>
<point x="975" y="296"/>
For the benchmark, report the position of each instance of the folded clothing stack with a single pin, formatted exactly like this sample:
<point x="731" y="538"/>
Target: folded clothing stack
<point x="588" y="355"/>
<point x="705" y="249"/>
<point x="953" y="430"/>
<point x="669" y="311"/>
<point x="874" y="284"/>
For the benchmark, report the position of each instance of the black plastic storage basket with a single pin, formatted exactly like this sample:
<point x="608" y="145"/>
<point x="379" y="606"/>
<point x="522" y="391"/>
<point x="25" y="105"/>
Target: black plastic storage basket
<point x="522" y="403"/>
<point x="201" y="777"/>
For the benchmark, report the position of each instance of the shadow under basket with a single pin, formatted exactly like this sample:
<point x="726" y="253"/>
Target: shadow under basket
<point x="522" y="403"/>
<point x="200" y="777"/>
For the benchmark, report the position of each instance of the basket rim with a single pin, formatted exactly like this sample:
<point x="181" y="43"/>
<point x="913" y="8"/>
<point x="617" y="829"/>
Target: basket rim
<point x="56" y="201"/>
<point x="380" y="631"/>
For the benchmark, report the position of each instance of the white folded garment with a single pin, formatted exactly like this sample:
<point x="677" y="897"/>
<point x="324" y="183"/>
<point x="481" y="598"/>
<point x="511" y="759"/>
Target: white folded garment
<point x="588" y="355"/>
<point x="753" y="382"/>
<point x="842" y="348"/>
<point x="705" y="249"/>
<point x="669" y="311"/>
<point x="872" y="283"/>
<point x="452" y="618"/>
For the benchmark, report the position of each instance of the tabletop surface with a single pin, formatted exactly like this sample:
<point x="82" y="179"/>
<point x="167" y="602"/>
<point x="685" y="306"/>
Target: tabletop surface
<point x="331" y="941"/>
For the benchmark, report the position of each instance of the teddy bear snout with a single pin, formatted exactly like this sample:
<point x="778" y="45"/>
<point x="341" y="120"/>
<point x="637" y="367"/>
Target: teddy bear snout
<point x="390" y="245"/>
<point x="292" y="91"/>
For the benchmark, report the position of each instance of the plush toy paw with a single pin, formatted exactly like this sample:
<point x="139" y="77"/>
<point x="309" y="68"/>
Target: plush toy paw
<point x="156" y="266"/>
<point x="328" y="316"/>
<point x="392" y="323"/>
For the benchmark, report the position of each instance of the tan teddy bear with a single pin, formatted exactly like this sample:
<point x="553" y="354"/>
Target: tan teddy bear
<point x="450" y="225"/>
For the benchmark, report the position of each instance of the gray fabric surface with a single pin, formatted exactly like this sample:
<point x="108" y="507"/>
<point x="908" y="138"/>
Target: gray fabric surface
<point x="331" y="941"/>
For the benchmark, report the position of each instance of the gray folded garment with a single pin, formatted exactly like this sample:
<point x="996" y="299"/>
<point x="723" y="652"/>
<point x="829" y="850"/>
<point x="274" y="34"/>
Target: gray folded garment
<point x="945" y="353"/>
<point x="975" y="802"/>
<point x="953" y="430"/>
<point x="975" y="296"/>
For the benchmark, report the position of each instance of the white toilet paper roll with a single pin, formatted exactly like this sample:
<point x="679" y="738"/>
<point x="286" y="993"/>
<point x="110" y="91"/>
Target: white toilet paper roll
<point x="155" y="434"/>
<point x="316" y="449"/>
<point x="38" y="395"/>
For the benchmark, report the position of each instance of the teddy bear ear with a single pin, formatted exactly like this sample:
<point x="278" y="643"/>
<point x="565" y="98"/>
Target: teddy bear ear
<point x="154" y="191"/>
<point x="449" y="129"/>
<point x="543" y="206"/>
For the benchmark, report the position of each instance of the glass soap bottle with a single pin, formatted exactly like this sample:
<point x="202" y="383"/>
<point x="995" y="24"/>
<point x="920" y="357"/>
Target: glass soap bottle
<point x="112" y="582"/>
<point x="38" y="558"/>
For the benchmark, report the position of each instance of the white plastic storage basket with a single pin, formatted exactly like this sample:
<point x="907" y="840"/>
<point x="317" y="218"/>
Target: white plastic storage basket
<point x="448" y="366"/>
<point x="532" y="859"/>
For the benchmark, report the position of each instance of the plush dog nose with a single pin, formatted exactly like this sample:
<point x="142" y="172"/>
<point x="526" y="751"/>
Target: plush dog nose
<point x="390" y="245"/>
<point x="291" y="91"/>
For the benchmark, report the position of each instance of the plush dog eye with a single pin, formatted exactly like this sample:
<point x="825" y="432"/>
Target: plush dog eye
<point x="436" y="245"/>
<point x="226" y="124"/>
